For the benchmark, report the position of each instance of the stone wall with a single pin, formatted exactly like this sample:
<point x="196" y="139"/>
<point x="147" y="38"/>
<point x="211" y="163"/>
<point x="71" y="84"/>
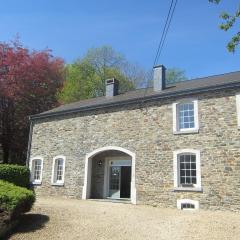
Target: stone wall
<point x="148" y="132"/>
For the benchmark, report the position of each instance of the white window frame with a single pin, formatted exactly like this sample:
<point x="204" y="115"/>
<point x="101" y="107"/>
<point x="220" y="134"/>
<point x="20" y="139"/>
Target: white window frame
<point x="176" y="128"/>
<point x="35" y="182"/>
<point x="238" y="108"/>
<point x="53" y="182"/>
<point x="198" y="185"/>
<point x="187" y="201"/>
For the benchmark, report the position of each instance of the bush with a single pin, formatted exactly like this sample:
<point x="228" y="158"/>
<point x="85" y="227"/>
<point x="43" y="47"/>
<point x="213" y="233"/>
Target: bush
<point x="15" y="199"/>
<point x="18" y="175"/>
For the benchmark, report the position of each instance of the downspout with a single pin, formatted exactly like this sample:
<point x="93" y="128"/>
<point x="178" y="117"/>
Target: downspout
<point x="29" y="142"/>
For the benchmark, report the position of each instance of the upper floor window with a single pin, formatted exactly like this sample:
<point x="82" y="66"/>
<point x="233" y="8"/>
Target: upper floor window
<point x="36" y="166"/>
<point x="58" y="170"/>
<point x="185" y="116"/>
<point x="187" y="174"/>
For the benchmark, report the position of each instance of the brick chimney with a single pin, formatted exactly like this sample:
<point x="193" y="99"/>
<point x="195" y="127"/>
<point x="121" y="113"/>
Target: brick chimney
<point x="159" y="78"/>
<point x="112" y="87"/>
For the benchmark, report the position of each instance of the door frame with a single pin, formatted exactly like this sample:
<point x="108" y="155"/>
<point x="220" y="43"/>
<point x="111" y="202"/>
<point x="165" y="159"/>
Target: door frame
<point x="107" y="173"/>
<point x="86" y="189"/>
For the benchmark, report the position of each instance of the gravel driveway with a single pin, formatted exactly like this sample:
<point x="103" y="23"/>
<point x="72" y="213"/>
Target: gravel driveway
<point x="68" y="219"/>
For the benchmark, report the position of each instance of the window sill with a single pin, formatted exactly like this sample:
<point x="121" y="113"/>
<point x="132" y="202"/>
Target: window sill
<point x="57" y="184"/>
<point x="190" y="131"/>
<point x="36" y="183"/>
<point x="188" y="189"/>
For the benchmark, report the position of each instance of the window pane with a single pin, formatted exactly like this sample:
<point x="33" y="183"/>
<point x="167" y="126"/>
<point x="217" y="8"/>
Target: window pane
<point x="188" y="180"/>
<point x="182" y="158"/>
<point x="182" y="180"/>
<point x="182" y="173"/>
<point x="193" y="173"/>
<point x="187" y="158"/>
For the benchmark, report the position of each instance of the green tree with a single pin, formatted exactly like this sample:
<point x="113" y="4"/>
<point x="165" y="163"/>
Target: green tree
<point x="86" y="77"/>
<point x="174" y="75"/>
<point x="228" y="22"/>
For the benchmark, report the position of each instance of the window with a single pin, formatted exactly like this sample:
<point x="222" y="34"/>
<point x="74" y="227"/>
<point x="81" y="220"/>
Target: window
<point x="187" y="204"/>
<point x="185" y="116"/>
<point x="187" y="174"/>
<point x="36" y="166"/>
<point x="187" y="169"/>
<point x="58" y="170"/>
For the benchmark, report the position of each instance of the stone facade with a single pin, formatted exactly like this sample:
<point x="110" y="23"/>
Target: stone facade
<point x="147" y="131"/>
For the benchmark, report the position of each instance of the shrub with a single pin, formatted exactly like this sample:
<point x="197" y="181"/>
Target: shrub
<point x="18" y="175"/>
<point x="15" y="199"/>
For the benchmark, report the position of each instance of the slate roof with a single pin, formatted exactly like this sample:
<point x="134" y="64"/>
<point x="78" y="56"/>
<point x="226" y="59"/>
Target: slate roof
<point x="216" y="82"/>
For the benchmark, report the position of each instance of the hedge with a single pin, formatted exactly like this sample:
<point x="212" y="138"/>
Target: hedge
<point x="18" y="175"/>
<point x="15" y="199"/>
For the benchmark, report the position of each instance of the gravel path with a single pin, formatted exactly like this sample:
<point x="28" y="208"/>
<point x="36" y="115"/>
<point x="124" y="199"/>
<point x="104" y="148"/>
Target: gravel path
<point x="69" y="219"/>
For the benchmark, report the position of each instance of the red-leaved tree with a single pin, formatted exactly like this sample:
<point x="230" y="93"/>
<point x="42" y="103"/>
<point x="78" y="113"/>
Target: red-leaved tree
<point x="29" y="81"/>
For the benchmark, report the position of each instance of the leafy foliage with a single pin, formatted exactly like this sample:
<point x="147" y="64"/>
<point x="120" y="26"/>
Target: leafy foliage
<point x="229" y="21"/>
<point x="85" y="78"/>
<point x="14" y="198"/>
<point x="174" y="75"/>
<point x="29" y="83"/>
<point x="18" y="175"/>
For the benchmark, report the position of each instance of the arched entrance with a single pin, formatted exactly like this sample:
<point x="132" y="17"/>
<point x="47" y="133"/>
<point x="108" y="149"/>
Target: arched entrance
<point x="110" y="173"/>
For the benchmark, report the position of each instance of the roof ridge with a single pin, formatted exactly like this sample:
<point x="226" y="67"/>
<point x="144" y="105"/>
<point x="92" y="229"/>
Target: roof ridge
<point x="215" y="75"/>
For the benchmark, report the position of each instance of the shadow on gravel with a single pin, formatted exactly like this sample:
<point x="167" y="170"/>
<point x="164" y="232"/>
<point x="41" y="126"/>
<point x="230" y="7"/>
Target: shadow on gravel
<point x="29" y="223"/>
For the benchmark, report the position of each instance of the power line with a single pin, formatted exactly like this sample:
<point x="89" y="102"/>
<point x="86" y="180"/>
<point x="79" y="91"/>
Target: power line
<point x="160" y="51"/>
<point x="163" y="38"/>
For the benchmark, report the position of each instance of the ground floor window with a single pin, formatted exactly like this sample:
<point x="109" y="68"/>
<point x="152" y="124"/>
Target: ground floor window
<point x="187" y="169"/>
<point x="58" y="170"/>
<point x="36" y="170"/>
<point x="187" y="173"/>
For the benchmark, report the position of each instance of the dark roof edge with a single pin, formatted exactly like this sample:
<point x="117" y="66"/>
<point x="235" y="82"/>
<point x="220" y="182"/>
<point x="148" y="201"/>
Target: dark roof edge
<point x="136" y="100"/>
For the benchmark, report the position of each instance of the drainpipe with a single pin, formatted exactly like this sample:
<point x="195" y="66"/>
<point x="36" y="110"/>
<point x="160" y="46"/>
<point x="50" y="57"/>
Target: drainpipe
<point x="29" y="142"/>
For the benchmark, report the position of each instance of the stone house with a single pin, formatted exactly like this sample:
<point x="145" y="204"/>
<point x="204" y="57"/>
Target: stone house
<point x="171" y="145"/>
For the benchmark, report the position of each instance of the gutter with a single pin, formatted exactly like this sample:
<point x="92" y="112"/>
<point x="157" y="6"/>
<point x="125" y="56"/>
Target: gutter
<point x="136" y="100"/>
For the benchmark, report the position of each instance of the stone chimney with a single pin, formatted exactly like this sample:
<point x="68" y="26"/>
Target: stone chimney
<point x="159" y="78"/>
<point x="112" y="86"/>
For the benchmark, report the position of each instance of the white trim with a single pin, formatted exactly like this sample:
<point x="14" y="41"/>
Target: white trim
<point x="174" y="108"/>
<point x="53" y="182"/>
<point x="238" y="108"/>
<point x="87" y="172"/>
<point x="189" y="201"/>
<point x="35" y="182"/>
<point x="197" y="186"/>
<point x="176" y="129"/>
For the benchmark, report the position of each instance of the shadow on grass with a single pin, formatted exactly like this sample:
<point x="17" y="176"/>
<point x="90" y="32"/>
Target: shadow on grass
<point x="30" y="222"/>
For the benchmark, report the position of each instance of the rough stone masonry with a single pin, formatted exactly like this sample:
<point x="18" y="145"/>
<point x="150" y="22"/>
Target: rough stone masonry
<point x="147" y="130"/>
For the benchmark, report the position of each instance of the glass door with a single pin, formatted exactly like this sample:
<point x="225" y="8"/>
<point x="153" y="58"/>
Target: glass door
<point x="114" y="181"/>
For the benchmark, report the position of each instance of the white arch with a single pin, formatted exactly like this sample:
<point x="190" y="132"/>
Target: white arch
<point x="87" y="173"/>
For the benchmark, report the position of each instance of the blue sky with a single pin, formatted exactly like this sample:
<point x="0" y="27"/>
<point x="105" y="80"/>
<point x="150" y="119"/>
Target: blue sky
<point x="70" y="27"/>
